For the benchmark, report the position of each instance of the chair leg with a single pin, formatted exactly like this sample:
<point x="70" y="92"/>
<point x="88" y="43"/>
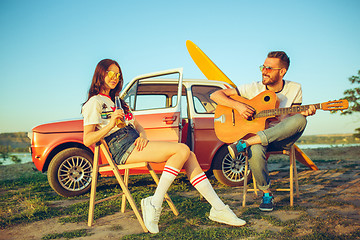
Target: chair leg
<point x="126" y="181"/>
<point x="94" y="176"/>
<point x="291" y="179"/>
<point x="167" y="198"/>
<point x="124" y="188"/>
<point x="255" y="186"/>
<point x="295" y="173"/>
<point x="123" y="184"/>
<point x="245" y="182"/>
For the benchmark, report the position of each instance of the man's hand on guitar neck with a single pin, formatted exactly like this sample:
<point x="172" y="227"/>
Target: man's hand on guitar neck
<point x="311" y="111"/>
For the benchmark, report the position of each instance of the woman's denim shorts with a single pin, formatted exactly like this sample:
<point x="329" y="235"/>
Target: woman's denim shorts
<point x="121" y="143"/>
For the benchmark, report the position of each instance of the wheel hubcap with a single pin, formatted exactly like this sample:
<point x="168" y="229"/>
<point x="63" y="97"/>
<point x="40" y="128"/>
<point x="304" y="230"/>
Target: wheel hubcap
<point x="234" y="169"/>
<point x="74" y="173"/>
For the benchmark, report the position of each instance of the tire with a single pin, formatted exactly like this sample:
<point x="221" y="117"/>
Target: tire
<point x="230" y="171"/>
<point x="69" y="172"/>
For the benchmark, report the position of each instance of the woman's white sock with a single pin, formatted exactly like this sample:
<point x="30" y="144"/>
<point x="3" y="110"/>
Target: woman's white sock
<point x="167" y="177"/>
<point x="202" y="184"/>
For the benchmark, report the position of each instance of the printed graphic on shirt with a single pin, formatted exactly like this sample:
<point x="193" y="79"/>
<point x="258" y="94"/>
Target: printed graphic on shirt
<point x="106" y="112"/>
<point x="129" y="116"/>
<point x="98" y="109"/>
<point x="104" y="106"/>
<point x="106" y="115"/>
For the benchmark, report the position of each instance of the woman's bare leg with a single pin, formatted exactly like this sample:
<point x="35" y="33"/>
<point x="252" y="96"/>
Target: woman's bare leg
<point x="219" y="211"/>
<point x="192" y="166"/>
<point x="201" y="183"/>
<point x="174" y="154"/>
<point x="177" y="156"/>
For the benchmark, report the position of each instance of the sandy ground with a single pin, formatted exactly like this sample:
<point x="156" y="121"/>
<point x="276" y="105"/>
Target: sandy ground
<point x="335" y="182"/>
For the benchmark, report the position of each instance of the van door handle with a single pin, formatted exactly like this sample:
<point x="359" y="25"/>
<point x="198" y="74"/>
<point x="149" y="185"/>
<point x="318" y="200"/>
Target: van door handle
<point x="169" y="120"/>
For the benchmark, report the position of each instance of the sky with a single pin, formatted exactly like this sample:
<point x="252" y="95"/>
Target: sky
<point x="49" y="49"/>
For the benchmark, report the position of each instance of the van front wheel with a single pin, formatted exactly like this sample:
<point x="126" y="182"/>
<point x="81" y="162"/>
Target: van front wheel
<point x="69" y="172"/>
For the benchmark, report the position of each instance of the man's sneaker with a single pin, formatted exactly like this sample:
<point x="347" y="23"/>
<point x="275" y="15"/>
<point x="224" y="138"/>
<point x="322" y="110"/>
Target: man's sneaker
<point x="236" y="148"/>
<point x="226" y="216"/>
<point x="151" y="215"/>
<point x="267" y="203"/>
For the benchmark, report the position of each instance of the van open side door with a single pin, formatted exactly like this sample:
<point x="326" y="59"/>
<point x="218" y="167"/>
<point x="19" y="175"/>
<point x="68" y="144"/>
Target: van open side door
<point x="155" y="100"/>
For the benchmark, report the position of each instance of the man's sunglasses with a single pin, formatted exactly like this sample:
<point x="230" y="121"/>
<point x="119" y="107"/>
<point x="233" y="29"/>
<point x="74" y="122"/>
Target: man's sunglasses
<point x="262" y="67"/>
<point x="112" y="74"/>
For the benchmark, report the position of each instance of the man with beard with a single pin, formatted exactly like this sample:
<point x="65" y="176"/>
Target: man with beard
<point x="281" y="132"/>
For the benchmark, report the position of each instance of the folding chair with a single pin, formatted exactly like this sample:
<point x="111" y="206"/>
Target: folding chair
<point x="112" y="166"/>
<point x="293" y="176"/>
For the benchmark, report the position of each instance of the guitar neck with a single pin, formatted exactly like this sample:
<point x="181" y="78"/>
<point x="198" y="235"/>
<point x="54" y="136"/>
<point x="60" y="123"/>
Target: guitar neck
<point x="284" y="111"/>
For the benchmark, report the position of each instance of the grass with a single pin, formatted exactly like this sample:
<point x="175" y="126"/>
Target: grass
<point x="67" y="235"/>
<point x="28" y="198"/>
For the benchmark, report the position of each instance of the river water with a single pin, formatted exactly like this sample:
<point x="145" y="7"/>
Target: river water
<point x="313" y="146"/>
<point x="26" y="157"/>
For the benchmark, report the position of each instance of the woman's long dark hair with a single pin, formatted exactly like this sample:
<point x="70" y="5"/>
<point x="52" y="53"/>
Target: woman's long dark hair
<point x="98" y="81"/>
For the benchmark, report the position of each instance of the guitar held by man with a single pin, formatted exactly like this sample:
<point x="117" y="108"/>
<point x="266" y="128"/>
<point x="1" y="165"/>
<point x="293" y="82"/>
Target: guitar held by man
<point x="230" y="126"/>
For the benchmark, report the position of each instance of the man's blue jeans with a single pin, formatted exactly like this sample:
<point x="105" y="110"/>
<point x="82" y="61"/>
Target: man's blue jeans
<point x="276" y="138"/>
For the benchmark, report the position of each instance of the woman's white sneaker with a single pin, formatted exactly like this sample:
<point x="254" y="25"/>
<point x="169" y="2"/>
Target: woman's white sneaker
<point x="226" y="216"/>
<point x="151" y="215"/>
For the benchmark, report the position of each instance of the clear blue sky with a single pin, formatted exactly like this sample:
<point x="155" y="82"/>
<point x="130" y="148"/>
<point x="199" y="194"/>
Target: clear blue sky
<point x="49" y="49"/>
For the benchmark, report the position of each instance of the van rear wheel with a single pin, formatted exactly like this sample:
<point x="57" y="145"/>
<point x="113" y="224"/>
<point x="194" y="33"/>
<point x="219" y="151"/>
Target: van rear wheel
<point x="229" y="171"/>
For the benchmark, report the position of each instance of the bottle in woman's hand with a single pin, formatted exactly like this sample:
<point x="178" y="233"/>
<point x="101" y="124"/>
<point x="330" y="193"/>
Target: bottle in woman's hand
<point x="120" y="122"/>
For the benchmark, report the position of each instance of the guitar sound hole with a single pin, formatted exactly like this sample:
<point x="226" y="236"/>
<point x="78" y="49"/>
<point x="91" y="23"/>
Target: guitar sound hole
<point x="266" y="98"/>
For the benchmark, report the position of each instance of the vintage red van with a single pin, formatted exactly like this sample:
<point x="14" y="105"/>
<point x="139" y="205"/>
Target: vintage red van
<point x="169" y="107"/>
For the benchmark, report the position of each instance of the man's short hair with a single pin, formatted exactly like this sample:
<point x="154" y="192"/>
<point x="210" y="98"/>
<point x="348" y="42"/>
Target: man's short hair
<point x="284" y="59"/>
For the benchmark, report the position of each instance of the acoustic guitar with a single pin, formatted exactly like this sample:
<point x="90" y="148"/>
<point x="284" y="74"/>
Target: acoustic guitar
<point x="211" y="71"/>
<point x="230" y="126"/>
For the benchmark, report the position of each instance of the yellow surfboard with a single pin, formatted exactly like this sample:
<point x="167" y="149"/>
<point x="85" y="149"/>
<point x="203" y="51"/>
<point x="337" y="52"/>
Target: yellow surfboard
<point x="212" y="72"/>
<point x="206" y="66"/>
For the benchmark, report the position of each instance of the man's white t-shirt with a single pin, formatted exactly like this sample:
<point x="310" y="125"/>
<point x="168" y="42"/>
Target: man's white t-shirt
<point x="290" y="94"/>
<point x="98" y="109"/>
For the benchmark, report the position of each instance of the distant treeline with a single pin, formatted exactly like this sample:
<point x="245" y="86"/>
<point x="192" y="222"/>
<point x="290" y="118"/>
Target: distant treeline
<point x="14" y="142"/>
<point x="328" y="139"/>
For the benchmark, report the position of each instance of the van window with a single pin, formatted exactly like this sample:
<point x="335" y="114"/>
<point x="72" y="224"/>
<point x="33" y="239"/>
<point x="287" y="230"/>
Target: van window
<point x="201" y="98"/>
<point x="145" y="102"/>
<point x="129" y="96"/>
<point x="146" y="96"/>
<point x="184" y="106"/>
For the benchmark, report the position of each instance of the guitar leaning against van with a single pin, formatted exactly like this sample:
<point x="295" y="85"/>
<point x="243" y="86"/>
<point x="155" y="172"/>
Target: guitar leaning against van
<point x="230" y="126"/>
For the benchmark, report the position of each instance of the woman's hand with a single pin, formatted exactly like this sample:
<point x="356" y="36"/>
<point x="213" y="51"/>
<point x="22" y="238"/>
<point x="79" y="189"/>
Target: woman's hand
<point x="117" y="114"/>
<point x="141" y="143"/>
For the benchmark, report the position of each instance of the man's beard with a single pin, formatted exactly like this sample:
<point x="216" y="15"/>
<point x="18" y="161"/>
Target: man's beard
<point x="270" y="80"/>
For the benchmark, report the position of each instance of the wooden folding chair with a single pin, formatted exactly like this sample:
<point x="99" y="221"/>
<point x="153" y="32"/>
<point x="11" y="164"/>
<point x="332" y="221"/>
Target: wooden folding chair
<point x="293" y="176"/>
<point x="112" y="166"/>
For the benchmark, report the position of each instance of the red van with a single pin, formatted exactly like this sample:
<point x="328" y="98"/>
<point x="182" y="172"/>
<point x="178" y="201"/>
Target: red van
<point x="169" y="107"/>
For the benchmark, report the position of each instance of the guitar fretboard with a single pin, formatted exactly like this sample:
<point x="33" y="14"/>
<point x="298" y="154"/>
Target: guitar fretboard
<point x="284" y="111"/>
